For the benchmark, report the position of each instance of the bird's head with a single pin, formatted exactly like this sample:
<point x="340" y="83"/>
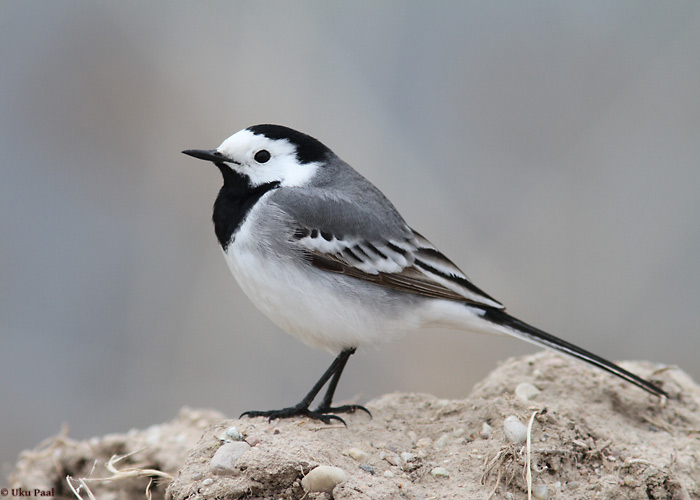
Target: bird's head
<point x="268" y="154"/>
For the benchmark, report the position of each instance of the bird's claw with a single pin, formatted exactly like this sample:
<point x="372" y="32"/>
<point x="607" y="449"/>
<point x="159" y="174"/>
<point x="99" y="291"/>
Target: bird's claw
<point x="325" y="414"/>
<point x="343" y="409"/>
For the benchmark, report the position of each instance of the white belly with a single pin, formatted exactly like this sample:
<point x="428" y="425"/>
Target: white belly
<point x="324" y="310"/>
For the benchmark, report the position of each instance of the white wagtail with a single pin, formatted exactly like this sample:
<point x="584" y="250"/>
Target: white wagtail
<point x="322" y="252"/>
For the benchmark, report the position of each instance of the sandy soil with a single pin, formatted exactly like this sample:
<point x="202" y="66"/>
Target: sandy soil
<point x="592" y="437"/>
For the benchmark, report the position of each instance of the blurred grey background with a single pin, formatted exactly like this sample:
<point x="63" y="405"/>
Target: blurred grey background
<point x="552" y="150"/>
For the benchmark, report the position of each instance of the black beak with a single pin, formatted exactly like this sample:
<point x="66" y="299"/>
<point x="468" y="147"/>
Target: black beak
<point x="206" y="154"/>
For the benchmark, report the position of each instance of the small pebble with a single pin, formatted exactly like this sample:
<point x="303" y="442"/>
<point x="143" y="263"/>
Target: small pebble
<point x="540" y="491"/>
<point x="442" y="441"/>
<point x="197" y="476"/>
<point x="406" y="456"/>
<point x="252" y="441"/>
<point x="233" y="434"/>
<point x="515" y="430"/>
<point x="458" y="433"/>
<point x="224" y="460"/>
<point x="423" y="442"/>
<point x="367" y="468"/>
<point x="357" y="454"/>
<point x="486" y="431"/>
<point x="526" y="391"/>
<point x="440" y="472"/>
<point x="629" y="480"/>
<point x="323" y="478"/>
<point x="388" y="473"/>
<point x="391" y="458"/>
<point x="207" y="482"/>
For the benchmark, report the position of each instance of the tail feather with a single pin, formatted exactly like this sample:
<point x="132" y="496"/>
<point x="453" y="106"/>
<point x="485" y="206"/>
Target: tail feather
<point x="537" y="336"/>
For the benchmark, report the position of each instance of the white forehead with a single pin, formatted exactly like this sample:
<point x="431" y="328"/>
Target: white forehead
<point x="283" y="166"/>
<point x="244" y="143"/>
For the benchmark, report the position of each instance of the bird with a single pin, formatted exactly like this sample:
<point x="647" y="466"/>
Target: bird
<point x="326" y="256"/>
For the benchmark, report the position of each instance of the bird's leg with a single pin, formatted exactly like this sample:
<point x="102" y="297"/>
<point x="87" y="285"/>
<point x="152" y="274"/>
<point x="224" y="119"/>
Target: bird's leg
<point x="325" y="406"/>
<point x="324" y="412"/>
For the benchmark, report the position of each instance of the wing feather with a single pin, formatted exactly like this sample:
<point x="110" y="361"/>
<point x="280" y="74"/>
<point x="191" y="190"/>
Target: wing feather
<point x="402" y="266"/>
<point x="349" y="237"/>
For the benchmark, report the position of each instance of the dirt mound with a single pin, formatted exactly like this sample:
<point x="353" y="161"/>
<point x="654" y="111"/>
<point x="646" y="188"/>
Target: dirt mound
<point x="590" y="436"/>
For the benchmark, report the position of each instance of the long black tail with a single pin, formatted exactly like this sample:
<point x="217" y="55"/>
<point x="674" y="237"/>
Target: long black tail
<point x="532" y="334"/>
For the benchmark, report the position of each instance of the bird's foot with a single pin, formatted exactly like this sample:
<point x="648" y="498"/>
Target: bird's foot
<point x="324" y="414"/>
<point x="342" y="409"/>
<point x="294" y="411"/>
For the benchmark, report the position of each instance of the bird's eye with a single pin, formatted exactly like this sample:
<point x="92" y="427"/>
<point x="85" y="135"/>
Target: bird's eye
<point x="262" y="156"/>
